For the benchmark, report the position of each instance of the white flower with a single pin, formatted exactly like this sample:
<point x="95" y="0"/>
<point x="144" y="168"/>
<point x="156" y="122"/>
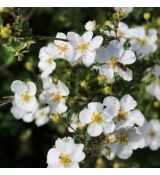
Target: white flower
<point x="19" y="113"/>
<point x="65" y="154"/>
<point x="143" y="42"/>
<point x="124" y="141"/>
<point x="90" y="25"/>
<point x="121" y="32"/>
<point x="47" y="55"/>
<point x="42" y="116"/>
<point x="151" y="133"/>
<point x="85" y="47"/>
<point x="65" y="49"/>
<point x="154" y="88"/>
<point x="75" y="123"/>
<point x="24" y="94"/>
<point x="97" y="121"/>
<point x="157" y="70"/>
<point x="54" y="95"/>
<point x="123" y="111"/>
<point x="114" y="59"/>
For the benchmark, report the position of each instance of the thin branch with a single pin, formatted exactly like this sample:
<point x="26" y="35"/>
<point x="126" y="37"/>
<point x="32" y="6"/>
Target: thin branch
<point x="48" y="37"/>
<point x="28" y="16"/>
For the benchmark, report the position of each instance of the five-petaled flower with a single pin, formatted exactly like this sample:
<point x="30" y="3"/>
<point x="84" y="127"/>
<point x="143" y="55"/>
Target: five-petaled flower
<point x="24" y="94"/>
<point x="65" y="154"/>
<point x="123" y="111"/>
<point x="114" y="59"/>
<point x="96" y="119"/>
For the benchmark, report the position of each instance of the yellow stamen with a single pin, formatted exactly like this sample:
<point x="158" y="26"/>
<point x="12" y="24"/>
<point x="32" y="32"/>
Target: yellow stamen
<point x="26" y="97"/>
<point x="42" y="113"/>
<point x="83" y="46"/>
<point x="152" y="134"/>
<point x="121" y="115"/>
<point x="111" y="138"/>
<point x="144" y="41"/>
<point x="65" y="159"/>
<point x="63" y="48"/>
<point x="49" y="60"/>
<point x="113" y="62"/>
<point x="97" y="117"/>
<point x="122" y="138"/>
<point x="57" y="97"/>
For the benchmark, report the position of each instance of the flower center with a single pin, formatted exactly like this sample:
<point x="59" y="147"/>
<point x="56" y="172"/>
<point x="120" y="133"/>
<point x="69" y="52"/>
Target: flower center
<point x="57" y="97"/>
<point x="122" y="138"/>
<point x="82" y="47"/>
<point x="42" y="113"/>
<point x="64" y="159"/>
<point x="121" y="115"/>
<point x="49" y="60"/>
<point x="144" y="41"/>
<point x="96" y="117"/>
<point x="113" y="62"/>
<point x="63" y="48"/>
<point x="151" y="134"/>
<point x="111" y="138"/>
<point x="26" y="97"/>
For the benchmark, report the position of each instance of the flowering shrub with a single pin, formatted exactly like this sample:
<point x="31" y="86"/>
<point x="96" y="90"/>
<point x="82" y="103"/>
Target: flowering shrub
<point x="95" y="85"/>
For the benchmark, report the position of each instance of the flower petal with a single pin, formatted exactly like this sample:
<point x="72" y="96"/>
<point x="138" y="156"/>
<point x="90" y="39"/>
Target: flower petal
<point x="87" y="36"/>
<point x="62" y="36"/>
<point x="107" y="71"/>
<point x="89" y="58"/>
<point x="31" y="88"/>
<point x="136" y="117"/>
<point x="85" y="116"/>
<point x="127" y="103"/>
<point x="95" y="106"/>
<point x="18" y="86"/>
<point x="73" y="37"/>
<point x="115" y="49"/>
<point x="108" y="127"/>
<point x="96" y="42"/>
<point x="102" y="55"/>
<point x="112" y="106"/>
<point x="128" y="57"/>
<point x="63" y="88"/>
<point x="94" y="130"/>
<point x="125" y="74"/>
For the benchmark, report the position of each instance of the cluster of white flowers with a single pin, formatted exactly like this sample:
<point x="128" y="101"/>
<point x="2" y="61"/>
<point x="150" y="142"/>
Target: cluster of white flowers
<point x="143" y="42"/>
<point x="54" y="95"/>
<point x="118" y="121"/>
<point x="25" y="105"/>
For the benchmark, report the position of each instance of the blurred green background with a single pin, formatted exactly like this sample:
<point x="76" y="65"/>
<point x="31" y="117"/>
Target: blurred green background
<point x="25" y="145"/>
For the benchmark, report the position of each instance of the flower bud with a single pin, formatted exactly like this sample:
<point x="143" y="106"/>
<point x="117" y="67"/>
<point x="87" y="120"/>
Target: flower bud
<point x="146" y="16"/>
<point x="55" y="117"/>
<point x="101" y="79"/>
<point x="90" y="25"/>
<point x="84" y="84"/>
<point x="100" y="163"/>
<point x="107" y="90"/>
<point x="156" y="104"/>
<point x="158" y="21"/>
<point x="29" y="66"/>
<point x="5" y="32"/>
